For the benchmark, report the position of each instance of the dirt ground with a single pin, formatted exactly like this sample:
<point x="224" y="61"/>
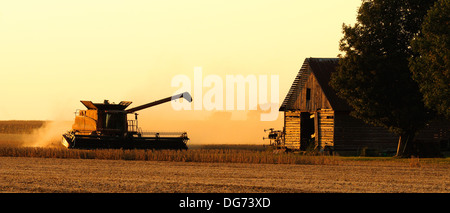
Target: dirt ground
<point x="22" y="174"/>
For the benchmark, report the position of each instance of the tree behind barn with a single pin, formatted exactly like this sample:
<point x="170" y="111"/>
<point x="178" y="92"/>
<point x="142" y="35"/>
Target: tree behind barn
<point x="373" y="75"/>
<point x="431" y="64"/>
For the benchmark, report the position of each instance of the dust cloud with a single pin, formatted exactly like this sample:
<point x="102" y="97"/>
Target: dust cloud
<point x="49" y="135"/>
<point x="221" y="127"/>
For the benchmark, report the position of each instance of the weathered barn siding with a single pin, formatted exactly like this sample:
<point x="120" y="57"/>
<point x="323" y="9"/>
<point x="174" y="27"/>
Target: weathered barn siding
<point x="317" y="100"/>
<point x="352" y="133"/>
<point x="292" y="129"/>
<point x="436" y="135"/>
<point x="325" y="128"/>
<point x="436" y="131"/>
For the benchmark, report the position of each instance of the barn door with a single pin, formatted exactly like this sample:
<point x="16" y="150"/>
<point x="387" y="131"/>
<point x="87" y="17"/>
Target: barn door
<point x="306" y="131"/>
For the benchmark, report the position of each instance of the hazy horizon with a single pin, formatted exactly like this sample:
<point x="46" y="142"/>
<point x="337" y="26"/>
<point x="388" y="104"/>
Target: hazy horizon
<point x="56" y="53"/>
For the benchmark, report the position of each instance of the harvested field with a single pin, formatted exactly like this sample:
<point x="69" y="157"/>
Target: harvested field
<point x="26" y="174"/>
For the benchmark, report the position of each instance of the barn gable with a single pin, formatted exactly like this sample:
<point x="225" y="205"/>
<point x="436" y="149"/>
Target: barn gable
<point x="315" y="71"/>
<point x="311" y="97"/>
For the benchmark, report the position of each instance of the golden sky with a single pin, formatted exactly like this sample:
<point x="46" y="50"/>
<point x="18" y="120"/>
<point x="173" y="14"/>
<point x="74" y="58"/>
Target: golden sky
<point x="55" y="53"/>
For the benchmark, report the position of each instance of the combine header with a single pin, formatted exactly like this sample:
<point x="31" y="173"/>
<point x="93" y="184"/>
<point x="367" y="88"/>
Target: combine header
<point x="105" y="126"/>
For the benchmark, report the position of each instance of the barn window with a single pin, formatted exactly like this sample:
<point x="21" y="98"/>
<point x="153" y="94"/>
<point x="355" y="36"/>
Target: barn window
<point x="308" y="94"/>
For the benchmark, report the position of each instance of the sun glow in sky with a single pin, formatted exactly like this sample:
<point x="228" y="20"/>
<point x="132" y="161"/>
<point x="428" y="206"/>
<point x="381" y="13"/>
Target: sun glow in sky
<point x="55" y="53"/>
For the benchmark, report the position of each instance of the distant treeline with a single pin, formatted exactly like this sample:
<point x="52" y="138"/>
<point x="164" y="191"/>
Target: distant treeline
<point x="20" y="127"/>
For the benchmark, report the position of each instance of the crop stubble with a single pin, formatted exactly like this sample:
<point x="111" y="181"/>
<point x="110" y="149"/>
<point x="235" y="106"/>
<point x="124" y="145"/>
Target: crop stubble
<point x="25" y="174"/>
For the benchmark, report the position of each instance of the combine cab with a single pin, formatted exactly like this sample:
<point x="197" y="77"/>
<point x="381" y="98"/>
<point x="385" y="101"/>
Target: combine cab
<point x="105" y="126"/>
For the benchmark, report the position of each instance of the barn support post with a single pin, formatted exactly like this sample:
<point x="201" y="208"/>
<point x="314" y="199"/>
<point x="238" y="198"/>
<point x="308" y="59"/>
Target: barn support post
<point x="405" y="146"/>
<point x="316" y="130"/>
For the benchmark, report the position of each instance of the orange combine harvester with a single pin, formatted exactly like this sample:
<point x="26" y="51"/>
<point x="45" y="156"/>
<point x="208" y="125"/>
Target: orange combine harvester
<point x="105" y="126"/>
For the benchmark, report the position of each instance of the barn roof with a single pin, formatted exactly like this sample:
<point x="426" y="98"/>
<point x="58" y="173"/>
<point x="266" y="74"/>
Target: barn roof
<point x="321" y="69"/>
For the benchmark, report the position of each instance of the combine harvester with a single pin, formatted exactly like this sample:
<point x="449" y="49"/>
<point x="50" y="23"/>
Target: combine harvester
<point x="105" y="126"/>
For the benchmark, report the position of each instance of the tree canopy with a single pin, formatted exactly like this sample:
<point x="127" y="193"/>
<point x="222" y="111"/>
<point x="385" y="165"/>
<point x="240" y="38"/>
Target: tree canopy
<point x="431" y="63"/>
<point x="373" y="74"/>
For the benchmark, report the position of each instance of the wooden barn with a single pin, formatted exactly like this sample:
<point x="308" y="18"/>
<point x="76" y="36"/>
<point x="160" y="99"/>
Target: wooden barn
<point x="315" y="117"/>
